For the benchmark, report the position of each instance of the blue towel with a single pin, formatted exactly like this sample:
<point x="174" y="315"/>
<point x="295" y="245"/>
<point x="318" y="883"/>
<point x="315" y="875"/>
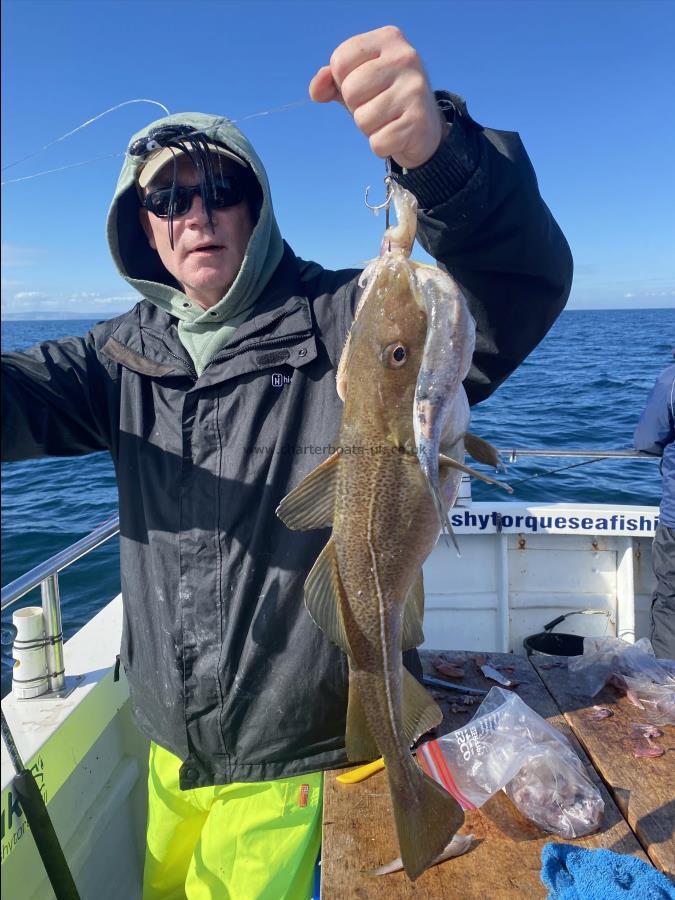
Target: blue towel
<point x="575" y="873"/>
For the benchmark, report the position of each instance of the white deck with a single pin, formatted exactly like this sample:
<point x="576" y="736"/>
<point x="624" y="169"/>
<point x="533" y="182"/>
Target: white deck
<point x="513" y="577"/>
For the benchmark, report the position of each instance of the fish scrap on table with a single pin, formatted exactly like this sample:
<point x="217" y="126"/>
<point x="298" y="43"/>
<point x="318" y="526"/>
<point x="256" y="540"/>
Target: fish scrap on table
<point x="643" y="745"/>
<point x="632" y="669"/>
<point x="600" y="712"/>
<point x="495" y="675"/>
<point x="449" y="669"/>
<point x="400" y="377"/>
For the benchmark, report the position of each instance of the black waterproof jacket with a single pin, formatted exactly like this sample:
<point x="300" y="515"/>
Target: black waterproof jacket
<point x="226" y="669"/>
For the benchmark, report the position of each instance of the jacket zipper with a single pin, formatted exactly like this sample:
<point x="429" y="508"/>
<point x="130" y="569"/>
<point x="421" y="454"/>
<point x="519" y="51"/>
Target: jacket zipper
<point x="270" y="343"/>
<point x="243" y="347"/>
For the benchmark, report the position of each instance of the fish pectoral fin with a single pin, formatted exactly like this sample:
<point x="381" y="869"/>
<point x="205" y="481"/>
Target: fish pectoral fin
<point x="420" y="711"/>
<point x="482" y="451"/>
<point x="413" y="615"/>
<point x="449" y="461"/>
<point x="359" y="739"/>
<point x="311" y="503"/>
<point x="323" y="590"/>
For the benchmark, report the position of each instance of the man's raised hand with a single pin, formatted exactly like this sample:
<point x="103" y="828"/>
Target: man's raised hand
<point x="380" y="79"/>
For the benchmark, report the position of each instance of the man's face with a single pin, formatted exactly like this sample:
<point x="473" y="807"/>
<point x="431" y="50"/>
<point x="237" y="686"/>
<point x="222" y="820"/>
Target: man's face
<point x="204" y="262"/>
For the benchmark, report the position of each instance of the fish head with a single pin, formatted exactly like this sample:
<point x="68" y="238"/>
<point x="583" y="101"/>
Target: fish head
<point x="385" y="351"/>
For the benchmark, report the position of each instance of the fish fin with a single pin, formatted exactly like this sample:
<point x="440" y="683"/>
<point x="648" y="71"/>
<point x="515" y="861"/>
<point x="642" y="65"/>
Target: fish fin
<point x="448" y="530"/>
<point x="413" y="614"/>
<point x="442" y="507"/>
<point x="311" y="503"/>
<point x="482" y="451"/>
<point x="323" y="590"/>
<point x="449" y="461"/>
<point x="420" y="711"/>
<point x="359" y="739"/>
<point x="457" y="846"/>
<point x="425" y="826"/>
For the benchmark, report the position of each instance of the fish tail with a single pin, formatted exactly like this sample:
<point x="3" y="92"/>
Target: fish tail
<point x="426" y="825"/>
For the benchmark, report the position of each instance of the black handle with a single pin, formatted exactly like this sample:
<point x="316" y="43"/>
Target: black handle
<point x="37" y="816"/>
<point x="555" y="622"/>
<point x="48" y="846"/>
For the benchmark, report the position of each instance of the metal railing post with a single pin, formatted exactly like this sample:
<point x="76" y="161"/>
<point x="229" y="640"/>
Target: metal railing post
<point x="51" y="613"/>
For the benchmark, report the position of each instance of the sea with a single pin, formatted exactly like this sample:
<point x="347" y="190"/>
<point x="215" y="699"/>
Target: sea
<point x="584" y="386"/>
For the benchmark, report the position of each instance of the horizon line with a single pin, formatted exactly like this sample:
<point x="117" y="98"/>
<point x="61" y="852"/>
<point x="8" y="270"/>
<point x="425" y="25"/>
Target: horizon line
<point x="40" y="316"/>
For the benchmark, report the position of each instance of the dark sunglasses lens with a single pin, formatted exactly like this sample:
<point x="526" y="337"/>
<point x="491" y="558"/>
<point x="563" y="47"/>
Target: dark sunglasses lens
<point x="159" y="202"/>
<point x="226" y="193"/>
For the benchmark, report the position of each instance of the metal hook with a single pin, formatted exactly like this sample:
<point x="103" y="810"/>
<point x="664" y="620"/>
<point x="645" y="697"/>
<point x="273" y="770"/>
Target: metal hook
<point x="390" y="193"/>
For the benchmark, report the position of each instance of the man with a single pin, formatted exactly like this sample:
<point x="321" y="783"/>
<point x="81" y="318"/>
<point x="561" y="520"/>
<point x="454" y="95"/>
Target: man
<point x="655" y="433"/>
<point x="216" y="395"/>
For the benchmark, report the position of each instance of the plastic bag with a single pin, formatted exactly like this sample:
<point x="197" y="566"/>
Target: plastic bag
<point x="649" y="683"/>
<point x="509" y="746"/>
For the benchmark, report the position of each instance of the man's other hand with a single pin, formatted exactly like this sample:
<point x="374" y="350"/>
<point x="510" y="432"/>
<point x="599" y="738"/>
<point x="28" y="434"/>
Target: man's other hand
<point x="380" y="79"/>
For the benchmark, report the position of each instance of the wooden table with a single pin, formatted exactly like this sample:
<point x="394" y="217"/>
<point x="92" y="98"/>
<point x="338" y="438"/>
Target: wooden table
<point x="643" y="789"/>
<point x="505" y="859"/>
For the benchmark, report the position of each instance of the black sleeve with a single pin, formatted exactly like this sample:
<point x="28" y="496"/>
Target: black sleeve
<point x="53" y="401"/>
<point x="482" y="217"/>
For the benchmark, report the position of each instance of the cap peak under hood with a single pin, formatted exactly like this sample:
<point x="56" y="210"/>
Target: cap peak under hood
<point x="202" y="332"/>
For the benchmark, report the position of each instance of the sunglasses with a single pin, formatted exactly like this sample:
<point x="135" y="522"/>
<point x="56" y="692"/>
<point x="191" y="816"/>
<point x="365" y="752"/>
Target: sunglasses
<point x="225" y="191"/>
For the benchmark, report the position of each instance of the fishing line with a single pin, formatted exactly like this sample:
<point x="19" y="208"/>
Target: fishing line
<point x="284" y="108"/>
<point x="83" y="162"/>
<point x="84" y="125"/>
<point x="585" y="462"/>
<point x="275" y="109"/>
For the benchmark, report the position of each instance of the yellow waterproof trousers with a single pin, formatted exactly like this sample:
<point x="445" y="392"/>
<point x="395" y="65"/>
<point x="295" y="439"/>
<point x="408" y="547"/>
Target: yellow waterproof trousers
<point x="237" y="841"/>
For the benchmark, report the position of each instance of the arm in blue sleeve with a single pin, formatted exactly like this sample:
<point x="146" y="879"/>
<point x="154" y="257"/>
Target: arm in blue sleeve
<point x="656" y="427"/>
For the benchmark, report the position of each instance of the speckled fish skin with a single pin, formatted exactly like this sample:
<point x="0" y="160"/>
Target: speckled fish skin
<point x="384" y="528"/>
<point x="385" y="524"/>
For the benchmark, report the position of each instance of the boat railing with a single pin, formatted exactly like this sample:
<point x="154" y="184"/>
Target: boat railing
<point x="46" y="575"/>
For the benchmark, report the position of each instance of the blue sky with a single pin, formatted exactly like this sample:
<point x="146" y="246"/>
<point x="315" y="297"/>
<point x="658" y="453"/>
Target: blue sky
<point x="587" y="84"/>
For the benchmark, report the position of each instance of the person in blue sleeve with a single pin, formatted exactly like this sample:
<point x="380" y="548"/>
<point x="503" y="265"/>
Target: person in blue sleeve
<point x="655" y="433"/>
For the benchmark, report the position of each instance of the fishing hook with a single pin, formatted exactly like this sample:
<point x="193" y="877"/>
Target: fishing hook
<point x="389" y="181"/>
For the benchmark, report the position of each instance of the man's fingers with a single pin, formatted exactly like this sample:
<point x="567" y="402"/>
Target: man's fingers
<point x="378" y="112"/>
<point x="355" y="52"/>
<point x="322" y="88"/>
<point x="366" y="83"/>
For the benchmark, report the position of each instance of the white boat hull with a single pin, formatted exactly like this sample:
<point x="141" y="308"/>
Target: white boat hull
<point x="521" y="566"/>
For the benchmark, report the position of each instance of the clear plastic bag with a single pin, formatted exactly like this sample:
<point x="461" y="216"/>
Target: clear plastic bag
<point x="648" y="682"/>
<point x="509" y="746"/>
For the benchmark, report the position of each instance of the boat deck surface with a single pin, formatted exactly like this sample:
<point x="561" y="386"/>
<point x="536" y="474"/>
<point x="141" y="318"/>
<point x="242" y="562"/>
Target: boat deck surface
<point x="505" y="859"/>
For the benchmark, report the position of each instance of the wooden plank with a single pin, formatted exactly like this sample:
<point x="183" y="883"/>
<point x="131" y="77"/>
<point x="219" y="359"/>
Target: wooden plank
<point x="644" y="789"/>
<point x="504" y="862"/>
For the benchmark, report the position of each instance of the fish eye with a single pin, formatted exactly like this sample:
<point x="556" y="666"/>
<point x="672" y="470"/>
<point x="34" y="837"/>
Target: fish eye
<point x="395" y="355"/>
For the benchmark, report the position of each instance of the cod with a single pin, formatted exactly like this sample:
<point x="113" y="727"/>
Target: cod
<point x="386" y="492"/>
